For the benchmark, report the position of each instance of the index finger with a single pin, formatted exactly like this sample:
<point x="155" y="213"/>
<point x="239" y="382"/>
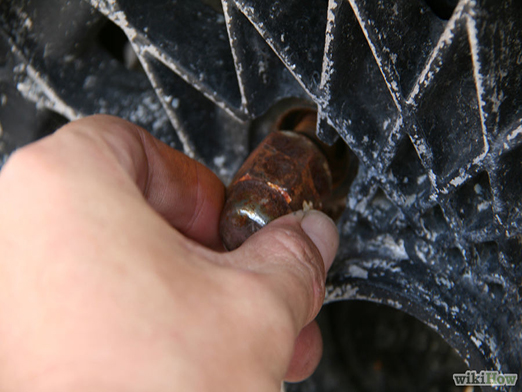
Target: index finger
<point x="186" y="193"/>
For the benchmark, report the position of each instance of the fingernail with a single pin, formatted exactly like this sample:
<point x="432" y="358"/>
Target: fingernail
<point x="323" y="233"/>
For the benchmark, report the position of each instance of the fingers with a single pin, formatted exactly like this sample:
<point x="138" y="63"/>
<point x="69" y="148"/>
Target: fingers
<point x="293" y="254"/>
<point x="187" y="194"/>
<point x="307" y="353"/>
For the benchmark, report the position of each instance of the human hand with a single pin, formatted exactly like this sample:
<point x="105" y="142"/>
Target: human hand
<point x="113" y="278"/>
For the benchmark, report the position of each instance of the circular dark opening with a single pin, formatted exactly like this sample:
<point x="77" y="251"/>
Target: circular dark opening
<point x="294" y="114"/>
<point x="442" y="8"/>
<point x="372" y="348"/>
<point x="113" y="40"/>
<point x="291" y="119"/>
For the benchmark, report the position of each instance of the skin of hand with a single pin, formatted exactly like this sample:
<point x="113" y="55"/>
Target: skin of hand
<point x="113" y="277"/>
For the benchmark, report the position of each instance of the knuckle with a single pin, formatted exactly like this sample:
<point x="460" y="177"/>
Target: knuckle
<point x="302" y="260"/>
<point x="35" y="172"/>
<point x="24" y="162"/>
<point x="260" y="298"/>
<point x="292" y="245"/>
<point x="289" y="242"/>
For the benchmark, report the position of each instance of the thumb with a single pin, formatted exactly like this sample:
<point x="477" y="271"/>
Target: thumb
<point x="293" y="253"/>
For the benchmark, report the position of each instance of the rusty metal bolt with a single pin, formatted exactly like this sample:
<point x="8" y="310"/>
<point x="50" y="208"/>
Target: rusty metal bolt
<point x="287" y="172"/>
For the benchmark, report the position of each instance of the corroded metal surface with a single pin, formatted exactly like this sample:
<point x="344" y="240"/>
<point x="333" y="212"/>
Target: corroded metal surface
<point x="286" y="173"/>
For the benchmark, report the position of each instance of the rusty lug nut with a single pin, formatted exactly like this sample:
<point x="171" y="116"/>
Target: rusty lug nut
<point x="287" y="172"/>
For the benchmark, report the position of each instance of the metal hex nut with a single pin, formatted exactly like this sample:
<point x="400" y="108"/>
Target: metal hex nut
<point x="286" y="172"/>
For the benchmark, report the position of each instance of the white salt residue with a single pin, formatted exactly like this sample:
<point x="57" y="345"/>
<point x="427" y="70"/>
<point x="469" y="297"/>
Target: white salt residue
<point x="488" y="339"/>
<point x="440" y="303"/>
<point x="382" y="265"/>
<point x="360" y="207"/>
<point x="477" y="339"/>
<point x="175" y="103"/>
<point x="395" y="9"/>
<point x="262" y="68"/>
<point x="515" y="133"/>
<point x="328" y="65"/>
<point x="422" y="250"/>
<point x="445" y="39"/>
<point x="394" y="248"/>
<point x="109" y="8"/>
<point x="441" y="280"/>
<point x="28" y="23"/>
<point x="219" y="160"/>
<point x="496" y="100"/>
<point x="352" y="203"/>
<point x="170" y="63"/>
<point x="103" y="6"/>
<point x="222" y="170"/>
<point x="120" y="19"/>
<point x="249" y="12"/>
<point x="233" y="45"/>
<point x="357" y="272"/>
<point x="363" y="23"/>
<point x="410" y="200"/>
<point x="432" y="177"/>
<point x="18" y="68"/>
<point x="334" y="293"/>
<point x="149" y="111"/>
<point x="180" y="132"/>
<point x="467" y="275"/>
<point x="454" y="311"/>
<point x="459" y="180"/>
<point x="421" y="148"/>
<point x="421" y="179"/>
<point x="89" y="82"/>
<point x="34" y="88"/>
<point x="394" y="304"/>
<point x="483" y="206"/>
<point x="471" y="27"/>
<point x="67" y="58"/>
